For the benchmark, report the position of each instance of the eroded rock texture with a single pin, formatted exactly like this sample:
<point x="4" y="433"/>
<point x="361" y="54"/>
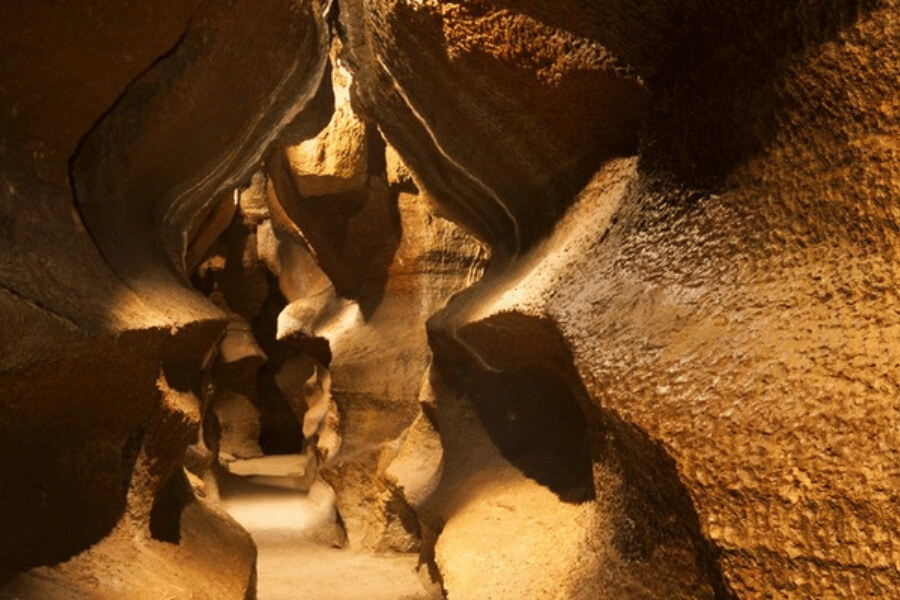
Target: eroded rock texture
<point x="578" y="300"/>
<point x="120" y="123"/>
<point x="721" y="303"/>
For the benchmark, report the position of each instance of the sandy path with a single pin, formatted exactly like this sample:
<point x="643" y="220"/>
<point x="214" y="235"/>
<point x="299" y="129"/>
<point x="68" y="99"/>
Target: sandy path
<point x="293" y="532"/>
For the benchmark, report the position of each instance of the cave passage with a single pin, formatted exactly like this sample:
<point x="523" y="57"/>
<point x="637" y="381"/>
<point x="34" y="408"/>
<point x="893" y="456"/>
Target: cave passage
<point x="449" y="300"/>
<point x="328" y="262"/>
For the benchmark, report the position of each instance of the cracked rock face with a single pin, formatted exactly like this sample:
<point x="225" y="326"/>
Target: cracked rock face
<point x="577" y="300"/>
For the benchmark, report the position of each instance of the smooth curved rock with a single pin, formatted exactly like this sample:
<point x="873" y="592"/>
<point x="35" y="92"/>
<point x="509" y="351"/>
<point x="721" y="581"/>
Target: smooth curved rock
<point x="103" y="344"/>
<point x="536" y="107"/>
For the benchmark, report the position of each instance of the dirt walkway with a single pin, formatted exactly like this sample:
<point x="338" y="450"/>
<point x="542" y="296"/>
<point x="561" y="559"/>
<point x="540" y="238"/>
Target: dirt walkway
<point x="295" y="534"/>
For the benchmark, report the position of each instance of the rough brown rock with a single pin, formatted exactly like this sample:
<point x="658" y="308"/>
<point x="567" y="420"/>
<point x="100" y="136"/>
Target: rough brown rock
<point x="107" y="134"/>
<point x="336" y="160"/>
<point x="536" y="106"/>
<point x="692" y="288"/>
<point x="581" y="300"/>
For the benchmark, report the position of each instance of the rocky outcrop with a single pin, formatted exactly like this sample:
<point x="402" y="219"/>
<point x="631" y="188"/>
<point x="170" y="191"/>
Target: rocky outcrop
<point x="536" y="107"/>
<point x="376" y="263"/>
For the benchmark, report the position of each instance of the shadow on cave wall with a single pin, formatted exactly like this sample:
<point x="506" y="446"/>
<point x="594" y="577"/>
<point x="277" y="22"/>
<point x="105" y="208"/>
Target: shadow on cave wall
<point x="239" y="283"/>
<point x="506" y="178"/>
<point x="717" y="99"/>
<point x="536" y="410"/>
<point x="712" y="69"/>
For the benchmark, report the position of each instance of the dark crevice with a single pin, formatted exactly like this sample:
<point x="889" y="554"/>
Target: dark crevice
<point x="527" y="406"/>
<point x="333" y="19"/>
<point x="184" y="353"/>
<point x="397" y="508"/>
<point x="281" y="431"/>
<point x="40" y="306"/>
<point x="129" y="454"/>
<point x="165" y="514"/>
<point x="657" y="510"/>
<point x="427" y="555"/>
<point x="534" y="420"/>
<point x="243" y="285"/>
<point x="353" y="235"/>
<point x="723" y="80"/>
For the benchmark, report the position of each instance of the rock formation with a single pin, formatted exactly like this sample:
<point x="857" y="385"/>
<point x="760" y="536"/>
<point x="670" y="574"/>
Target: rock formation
<point x="576" y="300"/>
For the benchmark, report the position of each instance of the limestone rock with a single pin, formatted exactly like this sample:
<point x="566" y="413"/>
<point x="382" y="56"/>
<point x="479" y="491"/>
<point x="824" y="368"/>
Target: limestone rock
<point x="215" y="558"/>
<point x="664" y="277"/>
<point x="206" y="227"/>
<point x="240" y="424"/>
<point x="519" y="132"/>
<point x="398" y="174"/>
<point x="417" y="468"/>
<point x="335" y="161"/>
<point x="106" y="134"/>
<point x="252" y="199"/>
<point x="375" y="385"/>
<point x="577" y="299"/>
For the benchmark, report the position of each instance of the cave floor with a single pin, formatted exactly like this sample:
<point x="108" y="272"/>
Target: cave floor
<point x="315" y="572"/>
<point x="295" y="536"/>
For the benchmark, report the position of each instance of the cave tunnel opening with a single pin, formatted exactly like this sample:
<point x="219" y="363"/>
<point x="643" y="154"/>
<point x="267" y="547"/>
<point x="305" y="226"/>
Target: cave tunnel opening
<point x="233" y="278"/>
<point x="284" y="261"/>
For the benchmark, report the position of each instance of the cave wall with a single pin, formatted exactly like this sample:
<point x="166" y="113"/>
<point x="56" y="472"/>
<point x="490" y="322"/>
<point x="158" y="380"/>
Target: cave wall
<point x="120" y="124"/>
<point x="677" y="376"/>
<point x="724" y="285"/>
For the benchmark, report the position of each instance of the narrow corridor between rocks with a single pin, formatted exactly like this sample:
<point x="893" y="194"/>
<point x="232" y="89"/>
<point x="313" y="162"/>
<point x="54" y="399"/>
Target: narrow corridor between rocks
<point x="314" y="434"/>
<point x="299" y="541"/>
<point x="449" y="300"/>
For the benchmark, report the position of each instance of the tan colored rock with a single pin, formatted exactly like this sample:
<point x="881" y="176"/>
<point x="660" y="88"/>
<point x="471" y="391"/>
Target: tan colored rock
<point x="335" y="161"/>
<point x="234" y="398"/>
<point x="704" y="301"/>
<point x="398" y="174"/>
<point x="520" y="130"/>
<point x="207" y="227"/>
<point x="214" y="559"/>
<point x="110" y="156"/>
<point x="377" y="371"/>
<point x="505" y="535"/>
<point x="240" y="425"/>
<point x="306" y="384"/>
<point x="239" y="344"/>
<point x="677" y="376"/>
<point x="352" y="284"/>
<point x="252" y="199"/>
<point x="417" y="468"/>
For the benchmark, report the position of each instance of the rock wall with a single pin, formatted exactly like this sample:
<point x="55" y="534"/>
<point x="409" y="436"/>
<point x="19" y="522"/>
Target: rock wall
<point x="120" y="124"/>
<point x="579" y="300"/>
<point x="720" y="301"/>
<point x="724" y="296"/>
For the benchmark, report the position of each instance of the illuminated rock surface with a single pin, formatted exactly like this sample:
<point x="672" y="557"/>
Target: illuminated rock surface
<point x="569" y="300"/>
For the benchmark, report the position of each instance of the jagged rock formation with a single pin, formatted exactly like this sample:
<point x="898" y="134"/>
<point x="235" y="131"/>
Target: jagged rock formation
<point x="578" y="300"/>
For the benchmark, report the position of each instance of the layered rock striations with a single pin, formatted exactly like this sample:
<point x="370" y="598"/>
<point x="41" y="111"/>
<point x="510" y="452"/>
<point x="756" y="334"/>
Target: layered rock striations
<point x="120" y="123"/>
